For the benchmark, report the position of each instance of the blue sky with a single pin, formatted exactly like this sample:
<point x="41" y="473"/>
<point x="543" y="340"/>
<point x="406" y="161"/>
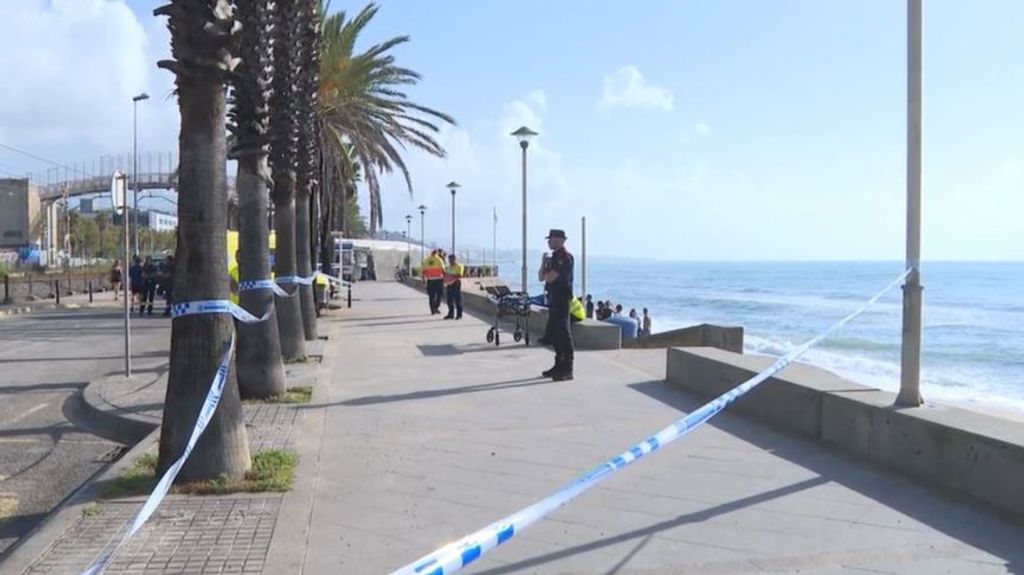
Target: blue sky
<point x="736" y="130"/>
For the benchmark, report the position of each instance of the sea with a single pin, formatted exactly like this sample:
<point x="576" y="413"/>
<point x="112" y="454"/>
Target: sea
<point x="973" y="335"/>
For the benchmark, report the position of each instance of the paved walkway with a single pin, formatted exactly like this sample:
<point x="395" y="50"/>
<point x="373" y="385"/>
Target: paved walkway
<point x="429" y="433"/>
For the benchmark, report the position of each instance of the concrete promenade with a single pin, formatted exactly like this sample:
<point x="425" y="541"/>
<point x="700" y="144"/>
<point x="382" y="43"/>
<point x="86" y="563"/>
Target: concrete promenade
<point x="430" y="433"/>
<point x="420" y="432"/>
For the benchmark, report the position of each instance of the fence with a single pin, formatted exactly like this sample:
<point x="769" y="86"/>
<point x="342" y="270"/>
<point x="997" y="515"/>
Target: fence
<point x="35" y="286"/>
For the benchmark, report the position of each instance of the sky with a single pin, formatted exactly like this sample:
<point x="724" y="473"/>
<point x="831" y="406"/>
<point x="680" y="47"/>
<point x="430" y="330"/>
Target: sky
<point x="697" y="130"/>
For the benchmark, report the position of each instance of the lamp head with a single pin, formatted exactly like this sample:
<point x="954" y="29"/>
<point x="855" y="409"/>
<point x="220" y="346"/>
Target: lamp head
<point x="524" y="135"/>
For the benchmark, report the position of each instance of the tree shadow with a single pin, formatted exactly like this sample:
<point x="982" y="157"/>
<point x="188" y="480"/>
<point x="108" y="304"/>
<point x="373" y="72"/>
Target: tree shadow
<point x="433" y="393"/>
<point x="967" y="520"/>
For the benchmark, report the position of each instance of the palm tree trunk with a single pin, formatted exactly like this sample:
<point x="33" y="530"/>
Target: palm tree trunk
<point x="198" y="341"/>
<point x="289" y="311"/>
<point x="304" y="263"/>
<point x="260" y="370"/>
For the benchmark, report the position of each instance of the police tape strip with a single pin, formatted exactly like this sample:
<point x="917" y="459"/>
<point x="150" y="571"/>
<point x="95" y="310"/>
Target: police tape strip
<point x="160" y="491"/>
<point x="216" y="306"/>
<point x="335" y="280"/>
<point x="251" y="285"/>
<point x="289" y="280"/>
<point x="457" y="555"/>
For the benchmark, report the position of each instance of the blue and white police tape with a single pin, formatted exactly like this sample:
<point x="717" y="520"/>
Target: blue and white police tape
<point x="251" y="285"/>
<point x="161" y="489"/>
<point x="457" y="555"/>
<point x="289" y="280"/>
<point x="216" y="306"/>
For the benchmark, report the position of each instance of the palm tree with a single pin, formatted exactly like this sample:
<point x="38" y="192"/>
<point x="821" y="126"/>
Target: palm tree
<point x="308" y="62"/>
<point x="201" y="35"/>
<point x="260" y="370"/>
<point x="282" y="162"/>
<point x="363" y="104"/>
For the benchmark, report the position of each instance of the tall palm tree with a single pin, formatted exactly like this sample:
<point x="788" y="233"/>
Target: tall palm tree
<point x="260" y="370"/>
<point x="308" y="78"/>
<point x="201" y="36"/>
<point x="283" y="128"/>
<point x="363" y="103"/>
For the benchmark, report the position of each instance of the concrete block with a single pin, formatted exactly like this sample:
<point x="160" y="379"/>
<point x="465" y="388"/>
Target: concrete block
<point x="791" y="400"/>
<point x="703" y="335"/>
<point x="963" y="450"/>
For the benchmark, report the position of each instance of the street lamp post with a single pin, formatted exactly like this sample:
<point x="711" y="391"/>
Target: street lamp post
<point x="910" y="361"/>
<point x="408" y="244"/>
<point x="453" y="186"/>
<point x="524" y="134"/>
<point x="135" y="161"/>
<point x="423" y="241"/>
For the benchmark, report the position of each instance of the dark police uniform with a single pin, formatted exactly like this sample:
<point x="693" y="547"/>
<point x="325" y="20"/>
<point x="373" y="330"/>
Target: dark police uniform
<point x="559" y="298"/>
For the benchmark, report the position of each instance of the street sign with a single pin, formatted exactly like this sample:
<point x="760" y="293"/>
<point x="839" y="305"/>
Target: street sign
<point x="118" y="185"/>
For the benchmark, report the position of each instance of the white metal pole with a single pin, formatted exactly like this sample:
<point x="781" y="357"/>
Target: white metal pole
<point x="524" y="144"/>
<point x="910" y="366"/>
<point x="126" y="282"/>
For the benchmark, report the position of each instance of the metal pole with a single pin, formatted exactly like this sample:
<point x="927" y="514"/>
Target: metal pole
<point x="453" y="221"/>
<point x="135" y="168"/>
<point x="910" y="365"/>
<point x="349" y="295"/>
<point x="524" y="144"/>
<point x="583" y="240"/>
<point x="423" y="242"/>
<point x="126" y="282"/>
<point x="494" y="245"/>
<point x="90" y="291"/>
<point x="408" y="246"/>
<point x="56" y="290"/>
<point x="7" y="288"/>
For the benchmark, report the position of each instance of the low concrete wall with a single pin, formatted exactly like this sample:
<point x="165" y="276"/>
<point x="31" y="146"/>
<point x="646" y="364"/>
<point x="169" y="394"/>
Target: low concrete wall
<point x="587" y="334"/>
<point x="969" y="452"/>
<point x="703" y="335"/>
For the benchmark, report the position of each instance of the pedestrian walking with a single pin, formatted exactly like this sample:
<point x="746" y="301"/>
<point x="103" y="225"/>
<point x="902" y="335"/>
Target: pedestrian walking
<point x="115" y="276"/>
<point x="453" y="274"/>
<point x="433" y="273"/>
<point x="558" y="276"/>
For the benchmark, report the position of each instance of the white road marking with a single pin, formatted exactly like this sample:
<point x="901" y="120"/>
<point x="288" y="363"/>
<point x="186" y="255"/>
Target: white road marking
<point x="29" y="412"/>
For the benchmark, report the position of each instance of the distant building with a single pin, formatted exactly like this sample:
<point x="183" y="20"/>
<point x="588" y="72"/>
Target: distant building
<point x="19" y="213"/>
<point x="159" y="221"/>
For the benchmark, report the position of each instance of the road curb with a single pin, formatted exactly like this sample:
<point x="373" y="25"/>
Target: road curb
<point x="110" y="421"/>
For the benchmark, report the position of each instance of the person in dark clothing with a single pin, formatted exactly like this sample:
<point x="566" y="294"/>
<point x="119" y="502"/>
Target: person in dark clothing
<point x="557" y="273"/>
<point x="167" y="283"/>
<point x="590" y="306"/>
<point x="150" y="277"/>
<point x="136" y="282"/>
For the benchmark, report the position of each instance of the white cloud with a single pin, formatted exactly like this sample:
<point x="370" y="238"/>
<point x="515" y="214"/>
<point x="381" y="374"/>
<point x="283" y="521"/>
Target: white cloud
<point x="486" y="161"/>
<point x="627" y="88"/>
<point x="72" y="68"/>
<point x="702" y="128"/>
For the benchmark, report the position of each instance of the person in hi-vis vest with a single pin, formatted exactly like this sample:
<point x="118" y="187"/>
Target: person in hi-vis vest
<point x="453" y="275"/>
<point x="433" y="274"/>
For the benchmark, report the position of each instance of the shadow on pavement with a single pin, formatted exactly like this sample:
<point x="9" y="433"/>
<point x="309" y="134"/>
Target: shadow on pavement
<point x="647" y="532"/>
<point x="970" y="522"/>
<point x="432" y="393"/>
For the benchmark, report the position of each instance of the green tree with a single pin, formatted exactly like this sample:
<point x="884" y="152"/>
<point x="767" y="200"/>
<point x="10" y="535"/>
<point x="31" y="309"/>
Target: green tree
<point x="201" y="37"/>
<point x="307" y="160"/>
<point x="363" y="104"/>
<point x="260" y="367"/>
<point x="283" y="151"/>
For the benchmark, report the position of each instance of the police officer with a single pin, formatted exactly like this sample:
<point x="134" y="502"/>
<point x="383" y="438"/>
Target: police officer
<point x="557" y="273"/>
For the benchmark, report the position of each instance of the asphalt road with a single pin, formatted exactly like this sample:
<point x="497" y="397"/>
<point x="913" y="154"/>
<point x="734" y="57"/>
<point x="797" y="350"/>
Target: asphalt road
<point x="46" y="358"/>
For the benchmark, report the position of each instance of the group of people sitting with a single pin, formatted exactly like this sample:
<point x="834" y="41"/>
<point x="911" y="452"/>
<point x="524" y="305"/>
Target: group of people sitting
<point x="633" y="325"/>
